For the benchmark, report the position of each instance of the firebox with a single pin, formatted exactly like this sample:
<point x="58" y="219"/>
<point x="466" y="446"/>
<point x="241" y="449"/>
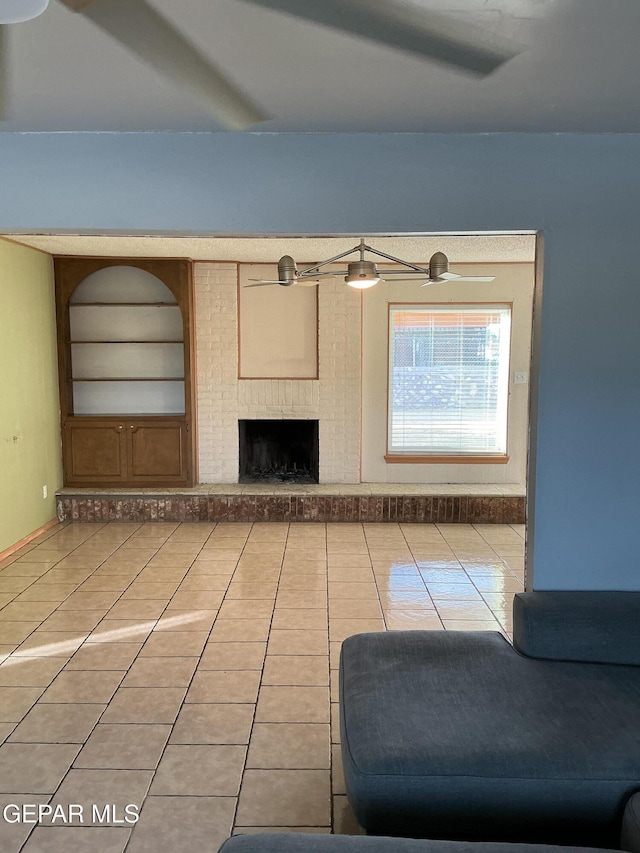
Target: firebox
<point x="278" y="451"/>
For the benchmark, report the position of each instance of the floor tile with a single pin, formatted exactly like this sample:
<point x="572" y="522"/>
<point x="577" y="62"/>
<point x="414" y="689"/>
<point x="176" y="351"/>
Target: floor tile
<point x="274" y="593"/>
<point x="227" y="656"/>
<point x="61" y="723"/>
<point x="259" y="608"/>
<point x="30" y="672"/>
<point x="338" y="785"/>
<point x="16" y="701"/>
<point x="186" y="620"/>
<point x="144" y="705"/>
<point x="299" y="618"/>
<point x="351" y="608"/>
<point x="344" y="821"/>
<point x="73" y="620"/>
<point x="462" y="610"/>
<point x="182" y="823"/>
<point x="360" y="591"/>
<point x="199" y="771"/>
<point x="307" y="599"/>
<point x="161" y="672"/>
<point x="204" y="600"/>
<point x="90" y="601"/>
<point x="293" y="704"/>
<point x="77" y="839"/>
<point x="340" y="629"/>
<point x="104" y="656"/>
<point x="234" y="686"/>
<point x="300" y="642"/>
<point x="124" y="747"/>
<point x="83" y="686"/>
<point x="239" y="630"/>
<point x="174" y="644"/>
<point x="471" y="624"/>
<point x="408" y="620"/>
<point x="117" y="788"/>
<point x="213" y="723"/>
<point x="137" y="609"/>
<point x="284" y="798"/>
<point x="289" y="746"/>
<point x="41" y="591"/>
<point x="34" y="768"/>
<point x="13" y="835"/>
<point x="296" y="670"/>
<point x="16" y="632"/>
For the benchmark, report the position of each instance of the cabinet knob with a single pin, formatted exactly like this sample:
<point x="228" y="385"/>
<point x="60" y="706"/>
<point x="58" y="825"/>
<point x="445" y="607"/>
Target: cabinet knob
<point x="120" y="426"/>
<point x="132" y="426"/>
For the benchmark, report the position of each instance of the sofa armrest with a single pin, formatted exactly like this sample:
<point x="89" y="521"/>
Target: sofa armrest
<point x="630" y="835"/>
<point x="594" y="627"/>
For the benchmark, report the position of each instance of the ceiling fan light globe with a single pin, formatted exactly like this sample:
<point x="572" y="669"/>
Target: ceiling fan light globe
<point x="17" y="11"/>
<point x="361" y="283"/>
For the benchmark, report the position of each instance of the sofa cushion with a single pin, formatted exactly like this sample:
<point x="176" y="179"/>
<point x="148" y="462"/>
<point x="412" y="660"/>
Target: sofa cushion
<point x="599" y="627"/>
<point x="311" y="843"/>
<point x="456" y="735"/>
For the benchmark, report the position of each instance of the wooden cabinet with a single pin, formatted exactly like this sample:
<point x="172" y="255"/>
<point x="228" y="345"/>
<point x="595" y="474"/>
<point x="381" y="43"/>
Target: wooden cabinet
<point x="118" y="452"/>
<point x="126" y="353"/>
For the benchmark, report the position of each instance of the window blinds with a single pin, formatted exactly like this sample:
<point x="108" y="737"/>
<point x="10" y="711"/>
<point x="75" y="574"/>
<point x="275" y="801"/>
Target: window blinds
<point x="448" y="379"/>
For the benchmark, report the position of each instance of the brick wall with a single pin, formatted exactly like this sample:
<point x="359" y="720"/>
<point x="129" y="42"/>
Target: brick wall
<point x="333" y="399"/>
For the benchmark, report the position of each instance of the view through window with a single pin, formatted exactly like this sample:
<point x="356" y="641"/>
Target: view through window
<point x="448" y="379"/>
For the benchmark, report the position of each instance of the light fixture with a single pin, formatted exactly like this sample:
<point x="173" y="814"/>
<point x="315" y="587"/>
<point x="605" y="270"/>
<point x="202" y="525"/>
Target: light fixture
<point x="17" y="11"/>
<point x="362" y="274"/>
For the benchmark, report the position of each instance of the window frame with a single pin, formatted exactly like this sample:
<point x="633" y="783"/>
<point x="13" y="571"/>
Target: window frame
<point x="437" y="457"/>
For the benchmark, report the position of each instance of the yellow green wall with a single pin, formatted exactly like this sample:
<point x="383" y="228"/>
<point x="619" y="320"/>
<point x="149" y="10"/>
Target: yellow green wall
<point x="30" y="454"/>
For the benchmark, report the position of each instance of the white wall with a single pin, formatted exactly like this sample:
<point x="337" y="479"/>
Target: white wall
<point x="513" y="284"/>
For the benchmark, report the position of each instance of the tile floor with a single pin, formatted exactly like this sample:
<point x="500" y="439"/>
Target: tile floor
<point x="191" y="668"/>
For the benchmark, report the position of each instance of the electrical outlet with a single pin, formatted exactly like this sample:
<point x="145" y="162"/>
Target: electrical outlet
<point x="520" y="378"/>
<point x="44" y="493"/>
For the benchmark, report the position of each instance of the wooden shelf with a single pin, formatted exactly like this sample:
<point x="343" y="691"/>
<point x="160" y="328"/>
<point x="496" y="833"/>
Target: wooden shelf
<point x="124" y="342"/>
<point x="130" y="379"/>
<point x="124" y="304"/>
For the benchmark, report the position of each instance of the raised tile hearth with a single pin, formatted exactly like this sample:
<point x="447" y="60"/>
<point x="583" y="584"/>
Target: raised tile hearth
<point x="372" y="502"/>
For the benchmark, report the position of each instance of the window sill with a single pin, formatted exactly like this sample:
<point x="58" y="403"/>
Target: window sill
<point x="434" y="459"/>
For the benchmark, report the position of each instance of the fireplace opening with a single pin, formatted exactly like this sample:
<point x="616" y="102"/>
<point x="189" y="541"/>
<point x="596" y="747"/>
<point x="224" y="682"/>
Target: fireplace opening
<point x="273" y="451"/>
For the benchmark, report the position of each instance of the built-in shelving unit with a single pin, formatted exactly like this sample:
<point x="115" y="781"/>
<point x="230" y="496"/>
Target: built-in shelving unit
<point x="125" y="366"/>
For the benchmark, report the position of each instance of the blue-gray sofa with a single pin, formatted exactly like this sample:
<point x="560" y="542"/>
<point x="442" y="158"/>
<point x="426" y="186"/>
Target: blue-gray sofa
<point x="459" y="735"/>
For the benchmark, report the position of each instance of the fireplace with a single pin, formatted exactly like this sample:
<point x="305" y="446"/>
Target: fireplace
<point x="278" y="451"/>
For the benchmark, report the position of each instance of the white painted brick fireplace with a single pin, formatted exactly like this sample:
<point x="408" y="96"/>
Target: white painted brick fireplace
<point x="223" y="399"/>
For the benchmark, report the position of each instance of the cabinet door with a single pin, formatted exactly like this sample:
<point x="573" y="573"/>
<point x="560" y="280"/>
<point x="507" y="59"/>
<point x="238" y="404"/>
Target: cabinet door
<point x="95" y="451"/>
<point x="158" y="452"/>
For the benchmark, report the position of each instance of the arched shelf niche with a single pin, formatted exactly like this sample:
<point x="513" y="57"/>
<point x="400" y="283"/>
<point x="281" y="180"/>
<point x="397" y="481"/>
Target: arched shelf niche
<point x="125" y="353"/>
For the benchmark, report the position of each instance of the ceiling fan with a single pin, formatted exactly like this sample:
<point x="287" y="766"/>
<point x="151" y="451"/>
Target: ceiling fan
<point x="395" y="23"/>
<point x="362" y="273"/>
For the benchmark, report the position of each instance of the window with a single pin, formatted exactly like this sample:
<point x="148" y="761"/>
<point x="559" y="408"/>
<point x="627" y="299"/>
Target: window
<point x="448" y="380"/>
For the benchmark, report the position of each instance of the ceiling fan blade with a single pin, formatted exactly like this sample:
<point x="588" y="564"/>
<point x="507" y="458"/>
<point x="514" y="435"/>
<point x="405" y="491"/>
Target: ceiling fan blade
<point x="143" y="31"/>
<point x="474" y="278"/>
<point x="454" y="276"/>
<point x="263" y="283"/>
<point x="317" y="277"/>
<point x="401" y="25"/>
